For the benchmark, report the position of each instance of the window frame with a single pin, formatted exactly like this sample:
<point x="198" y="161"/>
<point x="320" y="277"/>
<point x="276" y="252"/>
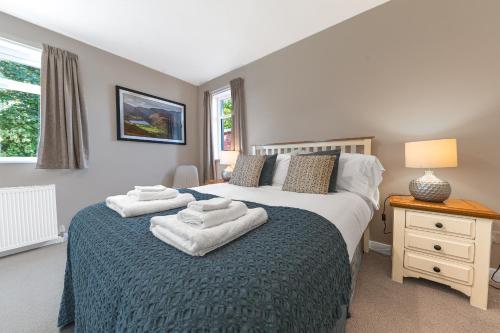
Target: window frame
<point x="25" y="55"/>
<point x="223" y="117"/>
<point x="217" y="119"/>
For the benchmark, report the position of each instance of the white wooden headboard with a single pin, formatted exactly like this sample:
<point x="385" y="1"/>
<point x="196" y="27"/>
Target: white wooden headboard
<point x="347" y="145"/>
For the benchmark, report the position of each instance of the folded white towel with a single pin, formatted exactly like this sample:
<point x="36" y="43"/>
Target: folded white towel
<point x="198" y="242"/>
<point x="155" y="188"/>
<point x="212" y="218"/>
<point x="168" y="193"/>
<point x="128" y="206"/>
<point x="211" y="204"/>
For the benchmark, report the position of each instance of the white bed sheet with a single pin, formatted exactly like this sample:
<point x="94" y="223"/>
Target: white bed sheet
<point x="349" y="212"/>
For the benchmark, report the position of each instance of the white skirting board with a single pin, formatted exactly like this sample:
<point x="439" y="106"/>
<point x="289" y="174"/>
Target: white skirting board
<point x="59" y="239"/>
<point x="381" y="248"/>
<point x="386" y="250"/>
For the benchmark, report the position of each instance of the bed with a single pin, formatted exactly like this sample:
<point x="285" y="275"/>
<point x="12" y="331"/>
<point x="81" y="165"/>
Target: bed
<point x="295" y="273"/>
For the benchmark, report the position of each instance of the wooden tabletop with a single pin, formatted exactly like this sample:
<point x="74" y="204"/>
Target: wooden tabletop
<point x="215" y="181"/>
<point x="450" y="206"/>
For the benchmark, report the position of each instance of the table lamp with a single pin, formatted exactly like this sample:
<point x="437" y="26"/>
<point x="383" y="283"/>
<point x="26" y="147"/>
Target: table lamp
<point x="430" y="155"/>
<point x="228" y="158"/>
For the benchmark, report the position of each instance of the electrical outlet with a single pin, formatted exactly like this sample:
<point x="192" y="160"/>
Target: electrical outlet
<point x="495" y="236"/>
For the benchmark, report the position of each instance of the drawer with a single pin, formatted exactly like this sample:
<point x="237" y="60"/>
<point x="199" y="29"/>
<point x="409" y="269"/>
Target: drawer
<point x="436" y="244"/>
<point x="456" y="226"/>
<point x="439" y="267"/>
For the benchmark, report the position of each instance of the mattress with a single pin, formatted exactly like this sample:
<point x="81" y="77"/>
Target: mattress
<point x="340" y="324"/>
<point x="349" y="212"/>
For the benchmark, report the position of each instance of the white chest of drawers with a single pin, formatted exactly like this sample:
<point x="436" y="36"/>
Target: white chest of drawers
<point x="447" y="243"/>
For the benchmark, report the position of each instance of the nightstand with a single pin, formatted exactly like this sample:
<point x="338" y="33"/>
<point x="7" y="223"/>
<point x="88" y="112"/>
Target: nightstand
<point x="448" y="242"/>
<point x="214" y="181"/>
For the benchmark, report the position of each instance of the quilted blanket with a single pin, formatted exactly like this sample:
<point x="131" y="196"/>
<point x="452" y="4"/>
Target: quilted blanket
<point x="291" y="274"/>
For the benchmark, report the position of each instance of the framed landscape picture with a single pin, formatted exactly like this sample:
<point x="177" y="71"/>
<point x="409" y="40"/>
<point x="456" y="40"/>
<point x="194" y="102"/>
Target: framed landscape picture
<point x="144" y="117"/>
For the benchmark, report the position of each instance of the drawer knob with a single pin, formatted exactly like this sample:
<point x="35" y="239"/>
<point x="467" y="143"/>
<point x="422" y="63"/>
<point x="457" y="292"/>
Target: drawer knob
<point x="439" y="225"/>
<point x="437" y="247"/>
<point x="436" y="269"/>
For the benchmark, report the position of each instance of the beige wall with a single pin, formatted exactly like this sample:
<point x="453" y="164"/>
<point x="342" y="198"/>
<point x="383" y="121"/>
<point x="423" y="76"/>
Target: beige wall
<point x="115" y="166"/>
<point x="404" y="71"/>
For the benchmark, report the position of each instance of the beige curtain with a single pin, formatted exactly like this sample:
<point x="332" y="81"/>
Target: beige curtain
<point x="63" y="138"/>
<point x="239" y="117"/>
<point x="209" y="170"/>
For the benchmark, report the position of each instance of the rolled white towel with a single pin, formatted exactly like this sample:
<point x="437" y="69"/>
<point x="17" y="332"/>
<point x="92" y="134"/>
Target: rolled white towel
<point x="128" y="206"/>
<point x="168" y="193"/>
<point x="154" y="188"/>
<point x="198" y="242"/>
<point x="211" y="204"/>
<point x="212" y="218"/>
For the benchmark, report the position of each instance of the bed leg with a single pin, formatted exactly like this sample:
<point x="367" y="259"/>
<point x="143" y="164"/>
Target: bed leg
<point x="366" y="239"/>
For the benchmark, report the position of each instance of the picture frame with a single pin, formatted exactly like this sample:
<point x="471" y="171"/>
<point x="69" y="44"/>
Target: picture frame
<point x="147" y="118"/>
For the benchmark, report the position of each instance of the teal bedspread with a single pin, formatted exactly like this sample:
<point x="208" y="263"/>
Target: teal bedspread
<point x="291" y="274"/>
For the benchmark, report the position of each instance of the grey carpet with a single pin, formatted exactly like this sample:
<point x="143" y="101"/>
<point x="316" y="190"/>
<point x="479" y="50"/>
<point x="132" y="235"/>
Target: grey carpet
<point x="381" y="305"/>
<point x="31" y="286"/>
<point x="30" y="290"/>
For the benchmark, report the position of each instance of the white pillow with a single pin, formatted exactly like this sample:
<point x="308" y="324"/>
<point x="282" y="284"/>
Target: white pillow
<point x="281" y="169"/>
<point x="361" y="174"/>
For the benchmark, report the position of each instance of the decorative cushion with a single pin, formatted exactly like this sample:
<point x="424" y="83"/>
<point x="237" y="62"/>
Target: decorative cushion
<point x="266" y="175"/>
<point x="281" y="169"/>
<point x="332" y="187"/>
<point x="247" y="170"/>
<point x="309" y="174"/>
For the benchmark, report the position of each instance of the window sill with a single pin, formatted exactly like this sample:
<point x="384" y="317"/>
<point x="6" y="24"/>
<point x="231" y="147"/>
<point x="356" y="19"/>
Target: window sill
<point x="18" y="160"/>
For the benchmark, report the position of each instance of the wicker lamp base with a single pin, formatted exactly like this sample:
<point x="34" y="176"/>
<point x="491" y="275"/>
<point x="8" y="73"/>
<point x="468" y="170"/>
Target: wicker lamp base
<point x="430" y="188"/>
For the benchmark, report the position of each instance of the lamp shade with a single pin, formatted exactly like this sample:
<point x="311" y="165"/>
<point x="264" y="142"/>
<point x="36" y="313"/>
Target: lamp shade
<point x="228" y="157"/>
<point x="431" y="154"/>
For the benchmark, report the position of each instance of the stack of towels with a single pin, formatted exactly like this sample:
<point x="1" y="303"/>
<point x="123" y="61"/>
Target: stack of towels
<point x="148" y="199"/>
<point x="207" y="224"/>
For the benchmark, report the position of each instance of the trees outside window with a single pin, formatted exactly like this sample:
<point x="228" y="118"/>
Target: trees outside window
<point x="19" y="102"/>
<point x="222" y="122"/>
<point x="226" y="116"/>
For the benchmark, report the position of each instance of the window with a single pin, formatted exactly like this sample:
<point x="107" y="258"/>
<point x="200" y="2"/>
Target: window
<point x="19" y="101"/>
<point x="226" y="123"/>
<point x="222" y="111"/>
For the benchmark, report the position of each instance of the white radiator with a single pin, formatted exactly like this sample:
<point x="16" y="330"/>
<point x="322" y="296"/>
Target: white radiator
<point x="28" y="217"/>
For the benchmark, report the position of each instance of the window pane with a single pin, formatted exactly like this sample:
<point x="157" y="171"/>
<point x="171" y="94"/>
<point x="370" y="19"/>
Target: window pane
<point x="222" y="109"/>
<point x="228" y="124"/>
<point x="19" y="72"/>
<point x="227" y="107"/>
<point x="227" y="140"/>
<point x="225" y="135"/>
<point x="19" y="123"/>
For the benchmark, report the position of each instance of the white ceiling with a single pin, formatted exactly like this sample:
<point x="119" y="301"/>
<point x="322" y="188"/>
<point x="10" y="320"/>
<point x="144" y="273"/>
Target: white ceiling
<point x="194" y="40"/>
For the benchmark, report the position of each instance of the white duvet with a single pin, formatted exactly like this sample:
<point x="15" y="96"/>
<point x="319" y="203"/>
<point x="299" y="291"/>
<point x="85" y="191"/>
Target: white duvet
<point x="349" y="212"/>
